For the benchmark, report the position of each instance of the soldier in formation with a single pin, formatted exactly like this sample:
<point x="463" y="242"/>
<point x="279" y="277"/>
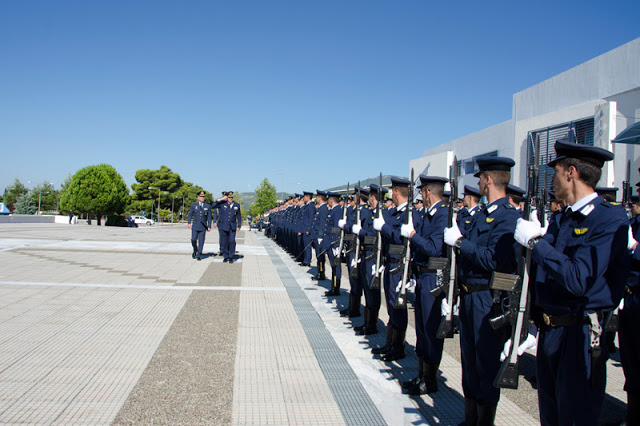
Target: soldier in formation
<point x="583" y="266"/>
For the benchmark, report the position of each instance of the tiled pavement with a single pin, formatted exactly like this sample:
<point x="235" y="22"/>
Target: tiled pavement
<point x="83" y="310"/>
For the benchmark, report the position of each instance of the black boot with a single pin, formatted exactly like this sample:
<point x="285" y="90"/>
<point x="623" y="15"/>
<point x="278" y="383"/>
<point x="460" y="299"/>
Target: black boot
<point x="320" y="276"/>
<point x="486" y="415"/>
<point x="410" y="383"/>
<point x="387" y="346"/>
<point x="353" y="311"/>
<point x="372" y="324"/>
<point x="194" y="244"/>
<point x="335" y="287"/>
<point x="470" y="412"/>
<point x="359" y="328"/>
<point x="430" y="377"/>
<point x="397" y="346"/>
<point x="633" y="409"/>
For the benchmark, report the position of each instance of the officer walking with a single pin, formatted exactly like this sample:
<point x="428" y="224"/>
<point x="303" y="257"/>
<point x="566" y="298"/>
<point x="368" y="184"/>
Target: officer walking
<point x="229" y="222"/>
<point x="581" y="273"/>
<point x="200" y="213"/>
<point x="487" y="247"/>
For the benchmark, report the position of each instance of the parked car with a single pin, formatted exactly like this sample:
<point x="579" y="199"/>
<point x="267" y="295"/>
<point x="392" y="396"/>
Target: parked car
<point x="142" y="220"/>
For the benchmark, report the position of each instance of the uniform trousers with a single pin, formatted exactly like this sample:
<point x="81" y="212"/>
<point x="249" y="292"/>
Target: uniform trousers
<point x="428" y="317"/>
<point x="563" y="363"/>
<point x="398" y="318"/>
<point x="197" y="235"/>
<point x="480" y="347"/>
<point x="228" y="243"/>
<point x="306" y="240"/>
<point x="629" y="321"/>
<point x="365" y="276"/>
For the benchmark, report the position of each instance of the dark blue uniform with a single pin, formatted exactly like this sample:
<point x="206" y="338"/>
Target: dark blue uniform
<point x="229" y="221"/>
<point x="200" y="214"/>
<point x="308" y="213"/>
<point x="317" y="233"/>
<point x="330" y="242"/>
<point x="629" y="318"/>
<point x="426" y="243"/>
<point x="488" y="247"/>
<point x="581" y="268"/>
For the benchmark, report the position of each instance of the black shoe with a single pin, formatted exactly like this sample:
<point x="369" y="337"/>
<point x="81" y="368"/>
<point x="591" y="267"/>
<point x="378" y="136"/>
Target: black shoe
<point x="230" y="260"/>
<point x="193" y="255"/>
<point x="199" y="258"/>
<point x="305" y="264"/>
<point x="319" y="278"/>
<point x="332" y="292"/>
<point x="224" y="260"/>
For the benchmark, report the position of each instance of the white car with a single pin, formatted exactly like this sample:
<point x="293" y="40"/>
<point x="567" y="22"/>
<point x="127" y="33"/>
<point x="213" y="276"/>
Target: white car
<point x="142" y="219"/>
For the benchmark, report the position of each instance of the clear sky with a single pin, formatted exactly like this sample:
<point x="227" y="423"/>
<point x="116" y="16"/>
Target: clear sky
<point x="310" y="94"/>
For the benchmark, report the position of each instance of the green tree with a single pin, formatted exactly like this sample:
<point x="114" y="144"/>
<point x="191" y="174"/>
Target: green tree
<point x="46" y="194"/>
<point x="97" y="190"/>
<point x="24" y="205"/>
<point x="164" y="180"/>
<point x="12" y="193"/>
<point x="265" y="198"/>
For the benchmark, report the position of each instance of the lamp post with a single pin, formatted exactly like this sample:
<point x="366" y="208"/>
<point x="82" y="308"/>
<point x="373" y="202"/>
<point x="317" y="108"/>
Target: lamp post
<point x="172" y="202"/>
<point x="39" y="199"/>
<point x="159" y="192"/>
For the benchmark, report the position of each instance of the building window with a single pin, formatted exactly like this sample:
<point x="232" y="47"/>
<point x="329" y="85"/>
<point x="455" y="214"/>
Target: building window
<point x="469" y="166"/>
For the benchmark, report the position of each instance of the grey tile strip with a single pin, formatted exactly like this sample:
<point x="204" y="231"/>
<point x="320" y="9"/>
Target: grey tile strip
<point x="138" y="286"/>
<point x="356" y="406"/>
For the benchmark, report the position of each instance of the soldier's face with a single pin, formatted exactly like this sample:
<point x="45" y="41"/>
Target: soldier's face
<point x="483" y="183"/>
<point x="560" y="181"/>
<point x="635" y="209"/>
<point x="201" y="198"/>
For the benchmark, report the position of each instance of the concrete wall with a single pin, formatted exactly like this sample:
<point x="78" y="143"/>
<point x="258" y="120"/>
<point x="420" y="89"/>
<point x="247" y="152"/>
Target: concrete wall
<point x="27" y="218"/>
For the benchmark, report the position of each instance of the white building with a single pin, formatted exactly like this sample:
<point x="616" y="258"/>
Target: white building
<point x="591" y="103"/>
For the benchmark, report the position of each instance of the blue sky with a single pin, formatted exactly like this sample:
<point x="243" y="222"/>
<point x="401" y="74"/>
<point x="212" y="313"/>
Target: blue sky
<point x="310" y="94"/>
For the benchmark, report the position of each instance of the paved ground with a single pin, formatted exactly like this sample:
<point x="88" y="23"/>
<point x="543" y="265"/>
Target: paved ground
<point x="104" y="325"/>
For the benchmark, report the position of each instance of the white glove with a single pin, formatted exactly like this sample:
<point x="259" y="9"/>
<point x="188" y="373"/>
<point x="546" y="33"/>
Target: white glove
<point x="412" y="283"/>
<point x="373" y="269"/>
<point x="355" y="229"/>
<point x="525" y="230"/>
<point x="530" y="343"/>
<point x="335" y="251"/>
<point x="406" y="230"/>
<point x="319" y="240"/>
<point x="353" y="262"/>
<point x="444" y="308"/>
<point x="632" y="241"/>
<point x="399" y="286"/>
<point x="378" y="223"/>
<point x="342" y="223"/>
<point x="452" y="234"/>
<point x="621" y="305"/>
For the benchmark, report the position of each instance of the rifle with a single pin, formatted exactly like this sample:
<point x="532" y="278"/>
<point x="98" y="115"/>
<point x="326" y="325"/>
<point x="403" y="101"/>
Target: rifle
<point x="448" y="264"/>
<point x="518" y="310"/>
<point x="341" y="245"/>
<point x="626" y="190"/>
<point x="401" y="300"/>
<point x="375" y="281"/>
<point x="354" y="271"/>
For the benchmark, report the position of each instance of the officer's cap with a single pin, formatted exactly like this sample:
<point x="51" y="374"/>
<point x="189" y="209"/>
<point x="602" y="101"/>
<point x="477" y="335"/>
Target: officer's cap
<point x="446" y="193"/>
<point x="515" y="190"/>
<point x="334" y="194"/>
<point x="417" y="201"/>
<point x="376" y="190"/>
<point x="487" y="164"/>
<point x="603" y="190"/>
<point x="592" y="154"/>
<point x="224" y="193"/>
<point x="308" y="193"/>
<point x="399" y="182"/>
<point x="470" y="190"/>
<point x="201" y="194"/>
<point x="634" y="199"/>
<point x="230" y="194"/>
<point x="425" y="180"/>
<point x="319" y="192"/>
<point x="298" y="195"/>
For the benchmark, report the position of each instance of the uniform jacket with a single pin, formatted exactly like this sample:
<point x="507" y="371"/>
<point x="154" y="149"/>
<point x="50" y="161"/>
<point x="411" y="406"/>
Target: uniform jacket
<point x="229" y="216"/>
<point x="201" y="216"/>
<point x="320" y="222"/>
<point x="489" y="245"/>
<point x="308" y="213"/>
<point x="428" y="240"/>
<point x="583" y="264"/>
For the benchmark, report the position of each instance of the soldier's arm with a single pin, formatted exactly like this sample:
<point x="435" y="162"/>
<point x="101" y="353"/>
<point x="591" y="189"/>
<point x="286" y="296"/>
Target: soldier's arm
<point x="590" y="260"/>
<point x="498" y="255"/>
<point x="432" y="246"/>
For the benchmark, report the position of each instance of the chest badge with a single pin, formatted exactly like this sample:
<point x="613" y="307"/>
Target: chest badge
<point x="490" y="219"/>
<point x="580" y="231"/>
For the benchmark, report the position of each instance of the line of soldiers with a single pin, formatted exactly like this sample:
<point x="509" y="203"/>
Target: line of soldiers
<point x="583" y="268"/>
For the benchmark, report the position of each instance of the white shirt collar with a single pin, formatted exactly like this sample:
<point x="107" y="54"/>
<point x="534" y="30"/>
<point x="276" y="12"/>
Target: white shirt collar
<point x="401" y="207"/>
<point x="583" y="202"/>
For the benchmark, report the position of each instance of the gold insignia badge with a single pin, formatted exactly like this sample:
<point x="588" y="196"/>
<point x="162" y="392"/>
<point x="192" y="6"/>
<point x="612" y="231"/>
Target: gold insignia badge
<point x="490" y="219"/>
<point x="580" y="231"/>
<point x="467" y="221"/>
